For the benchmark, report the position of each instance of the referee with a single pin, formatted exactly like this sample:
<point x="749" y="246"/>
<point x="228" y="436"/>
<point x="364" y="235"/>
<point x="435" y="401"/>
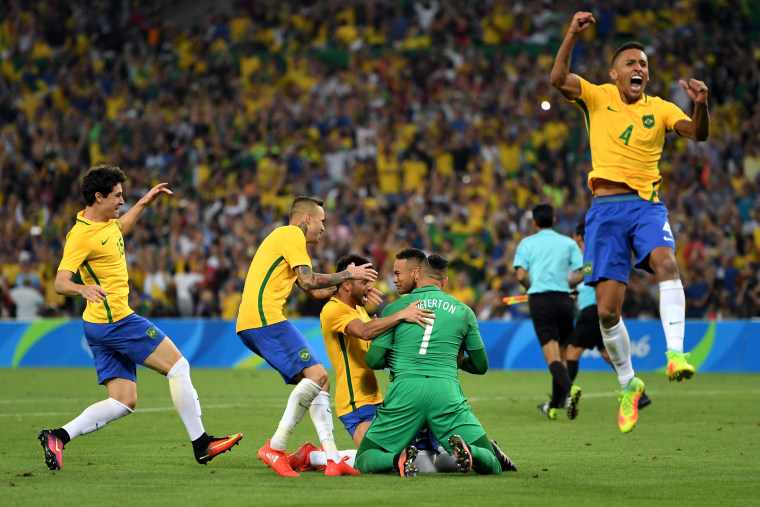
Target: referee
<point x="543" y="262"/>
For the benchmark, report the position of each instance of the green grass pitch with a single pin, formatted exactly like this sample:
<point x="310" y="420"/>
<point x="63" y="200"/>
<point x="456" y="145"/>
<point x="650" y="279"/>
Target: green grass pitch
<point x="697" y="444"/>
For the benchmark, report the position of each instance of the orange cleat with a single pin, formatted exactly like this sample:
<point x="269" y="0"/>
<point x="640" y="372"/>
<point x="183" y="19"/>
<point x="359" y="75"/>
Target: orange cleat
<point x="299" y="460"/>
<point x="276" y="460"/>
<point x="217" y="446"/>
<point x="340" y="468"/>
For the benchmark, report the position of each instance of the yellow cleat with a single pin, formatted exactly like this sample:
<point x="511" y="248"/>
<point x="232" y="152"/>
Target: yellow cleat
<point x="678" y="368"/>
<point x="629" y="405"/>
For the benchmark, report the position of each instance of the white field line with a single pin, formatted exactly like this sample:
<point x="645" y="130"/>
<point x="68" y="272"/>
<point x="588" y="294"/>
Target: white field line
<point x="476" y="399"/>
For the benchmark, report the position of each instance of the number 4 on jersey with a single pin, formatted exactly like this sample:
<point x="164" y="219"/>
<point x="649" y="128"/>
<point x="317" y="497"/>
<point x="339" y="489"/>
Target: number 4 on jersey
<point x="626" y="136"/>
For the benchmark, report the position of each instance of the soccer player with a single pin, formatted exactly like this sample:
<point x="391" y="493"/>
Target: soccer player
<point x="280" y="261"/>
<point x="425" y="390"/>
<point x="627" y="130"/>
<point x="347" y="330"/>
<point x="587" y="333"/>
<point x="542" y="262"/>
<point x="118" y="338"/>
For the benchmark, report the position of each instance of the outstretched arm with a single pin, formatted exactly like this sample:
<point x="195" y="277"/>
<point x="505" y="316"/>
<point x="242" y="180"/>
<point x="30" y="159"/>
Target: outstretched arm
<point x="308" y="280"/>
<point x="698" y="128"/>
<point x="569" y="85"/>
<point x="129" y="218"/>
<point x="375" y="327"/>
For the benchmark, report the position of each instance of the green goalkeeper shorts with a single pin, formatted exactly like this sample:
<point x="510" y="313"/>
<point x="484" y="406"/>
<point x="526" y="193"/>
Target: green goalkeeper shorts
<point x="413" y="402"/>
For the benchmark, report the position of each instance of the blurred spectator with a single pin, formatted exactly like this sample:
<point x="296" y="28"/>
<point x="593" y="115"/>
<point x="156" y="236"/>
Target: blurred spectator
<point x="28" y="300"/>
<point x="420" y="123"/>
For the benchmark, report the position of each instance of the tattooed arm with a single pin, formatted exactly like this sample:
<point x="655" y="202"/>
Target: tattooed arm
<point x="569" y="84"/>
<point x="308" y="280"/>
<point x="321" y="293"/>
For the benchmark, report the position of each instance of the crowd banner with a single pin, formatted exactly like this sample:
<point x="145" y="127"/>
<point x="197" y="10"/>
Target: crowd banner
<point x="715" y="346"/>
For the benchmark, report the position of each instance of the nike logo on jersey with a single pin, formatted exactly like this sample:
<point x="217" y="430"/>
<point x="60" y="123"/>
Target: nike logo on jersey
<point x="610" y="109"/>
<point x="273" y="457"/>
<point x="104" y="242"/>
<point x="668" y="239"/>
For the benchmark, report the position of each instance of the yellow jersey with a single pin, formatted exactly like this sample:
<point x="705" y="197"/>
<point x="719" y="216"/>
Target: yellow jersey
<point x="355" y="383"/>
<point x="96" y="251"/>
<point x="626" y="139"/>
<point x="271" y="277"/>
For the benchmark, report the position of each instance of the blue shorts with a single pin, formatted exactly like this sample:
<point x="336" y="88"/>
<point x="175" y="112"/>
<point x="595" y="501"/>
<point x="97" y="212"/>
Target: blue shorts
<point x="616" y="227"/>
<point x="352" y="419"/>
<point x="282" y="346"/>
<point x="425" y="441"/>
<point x="117" y="348"/>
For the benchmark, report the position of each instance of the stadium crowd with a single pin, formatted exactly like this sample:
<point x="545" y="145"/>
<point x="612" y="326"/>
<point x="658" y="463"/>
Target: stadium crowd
<point x="420" y="123"/>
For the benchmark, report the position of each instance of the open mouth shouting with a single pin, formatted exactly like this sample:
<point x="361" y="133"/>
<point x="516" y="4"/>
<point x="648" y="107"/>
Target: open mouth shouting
<point x="637" y="83"/>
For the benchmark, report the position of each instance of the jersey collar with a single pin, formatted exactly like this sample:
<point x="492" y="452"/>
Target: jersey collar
<point x="427" y="288"/>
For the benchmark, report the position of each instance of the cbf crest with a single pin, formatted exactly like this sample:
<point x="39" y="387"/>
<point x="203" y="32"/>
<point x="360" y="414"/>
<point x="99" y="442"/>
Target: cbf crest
<point x="305" y="356"/>
<point x="152" y="332"/>
<point x="648" y="120"/>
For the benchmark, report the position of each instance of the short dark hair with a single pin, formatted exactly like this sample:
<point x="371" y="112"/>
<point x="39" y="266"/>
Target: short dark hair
<point x="543" y="214"/>
<point x="100" y="178"/>
<point x="411" y="253"/>
<point x="304" y="204"/>
<point x="580" y="229"/>
<point x="434" y="266"/>
<point x="627" y="45"/>
<point x="344" y="261"/>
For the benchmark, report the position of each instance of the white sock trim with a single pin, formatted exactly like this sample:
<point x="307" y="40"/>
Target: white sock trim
<point x="180" y="367"/>
<point x="122" y="405"/>
<point x="673" y="313"/>
<point x="185" y="398"/>
<point x="299" y="402"/>
<point x="618" y="346"/>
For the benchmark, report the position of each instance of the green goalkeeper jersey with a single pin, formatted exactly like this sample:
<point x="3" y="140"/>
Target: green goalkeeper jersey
<point x="431" y="351"/>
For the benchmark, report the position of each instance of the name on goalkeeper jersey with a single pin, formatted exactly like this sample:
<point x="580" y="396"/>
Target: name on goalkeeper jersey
<point x="437" y="303"/>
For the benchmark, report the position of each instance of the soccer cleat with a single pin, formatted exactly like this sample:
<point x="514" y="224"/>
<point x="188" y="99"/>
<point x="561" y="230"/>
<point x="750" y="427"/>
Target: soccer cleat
<point x="340" y="468"/>
<point x="551" y="413"/>
<point x="678" y="368"/>
<point x="276" y="460"/>
<point x="572" y="402"/>
<point x="405" y="461"/>
<point x="299" y="460"/>
<point x="645" y="400"/>
<point x="629" y="404"/>
<point x="462" y="454"/>
<point x="507" y="465"/>
<point x="53" y="448"/>
<point x="217" y="446"/>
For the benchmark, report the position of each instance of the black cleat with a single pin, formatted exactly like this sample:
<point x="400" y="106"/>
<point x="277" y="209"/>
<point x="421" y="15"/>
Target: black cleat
<point x="551" y="413"/>
<point x="53" y="448"/>
<point x="644" y="400"/>
<point x="507" y="465"/>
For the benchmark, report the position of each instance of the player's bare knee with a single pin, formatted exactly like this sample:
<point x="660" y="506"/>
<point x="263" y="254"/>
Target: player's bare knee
<point x="667" y="269"/>
<point x="128" y="400"/>
<point x="609" y="317"/>
<point x="317" y="374"/>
